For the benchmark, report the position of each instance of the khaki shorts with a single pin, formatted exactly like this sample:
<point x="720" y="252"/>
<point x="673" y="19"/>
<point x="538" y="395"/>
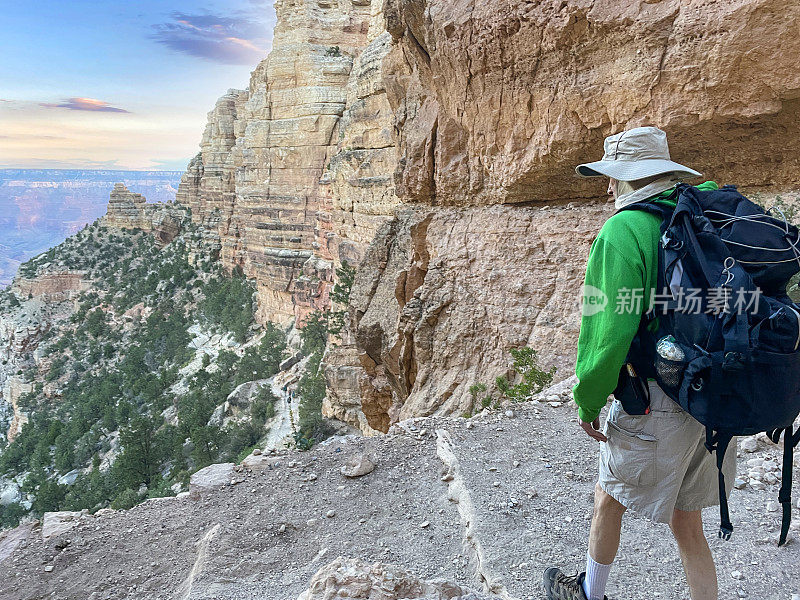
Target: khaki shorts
<point x="656" y="463"/>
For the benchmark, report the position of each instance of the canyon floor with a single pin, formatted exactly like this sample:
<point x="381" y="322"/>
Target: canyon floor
<point x="488" y="503"/>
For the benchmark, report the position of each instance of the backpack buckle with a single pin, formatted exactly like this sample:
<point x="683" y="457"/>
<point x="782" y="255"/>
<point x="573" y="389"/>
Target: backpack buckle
<point x="670" y="243"/>
<point x="732" y="360"/>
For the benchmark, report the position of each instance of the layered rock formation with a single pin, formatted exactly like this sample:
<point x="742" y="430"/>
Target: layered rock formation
<point x="495" y="104"/>
<point x="55" y="286"/>
<point x="207" y="187"/>
<point x="256" y="183"/>
<point x="128" y="210"/>
<point x="21" y="330"/>
<point x="475" y="114"/>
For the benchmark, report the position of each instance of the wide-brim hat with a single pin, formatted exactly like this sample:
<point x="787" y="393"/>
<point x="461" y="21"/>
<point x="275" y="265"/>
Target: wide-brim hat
<point x="635" y="154"/>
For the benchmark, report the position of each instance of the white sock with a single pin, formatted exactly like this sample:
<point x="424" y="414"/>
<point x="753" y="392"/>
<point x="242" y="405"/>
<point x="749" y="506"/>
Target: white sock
<point x="594" y="586"/>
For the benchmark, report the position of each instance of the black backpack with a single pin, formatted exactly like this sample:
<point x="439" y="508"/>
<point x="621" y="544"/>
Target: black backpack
<point x="722" y="337"/>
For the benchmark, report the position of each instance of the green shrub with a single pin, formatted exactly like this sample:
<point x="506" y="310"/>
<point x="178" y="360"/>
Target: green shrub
<point x="262" y="407"/>
<point x="340" y="294"/>
<point x="534" y="380"/>
<point x="311" y="425"/>
<point x="314" y="334"/>
<point x="10" y="514"/>
<point x="228" y="304"/>
<point x="125" y="500"/>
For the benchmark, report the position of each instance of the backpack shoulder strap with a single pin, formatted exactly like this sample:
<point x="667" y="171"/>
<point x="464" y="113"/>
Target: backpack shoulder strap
<point x="664" y="212"/>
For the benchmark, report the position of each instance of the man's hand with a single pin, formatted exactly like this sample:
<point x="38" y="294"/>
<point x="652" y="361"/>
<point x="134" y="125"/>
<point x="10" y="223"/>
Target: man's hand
<point x="593" y="429"/>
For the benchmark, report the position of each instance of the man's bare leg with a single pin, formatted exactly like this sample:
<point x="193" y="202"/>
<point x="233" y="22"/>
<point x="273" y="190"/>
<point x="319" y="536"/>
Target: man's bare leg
<point x="698" y="563"/>
<point x="606" y="527"/>
<point x="603" y="543"/>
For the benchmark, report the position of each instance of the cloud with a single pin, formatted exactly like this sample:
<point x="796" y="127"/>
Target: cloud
<point x="26" y="136"/>
<point x="88" y="104"/>
<point x="237" y="40"/>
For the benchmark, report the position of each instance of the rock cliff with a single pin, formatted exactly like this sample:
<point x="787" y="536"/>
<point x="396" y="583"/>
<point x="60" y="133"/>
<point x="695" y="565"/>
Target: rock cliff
<point x="128" y="210"/>
<point x="497" y="101"/>
<point x="432" y="143"/>
<point x="263" y="181"/>
<point x="55" y="286"/>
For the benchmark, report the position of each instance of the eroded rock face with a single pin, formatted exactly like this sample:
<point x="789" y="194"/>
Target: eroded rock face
<point x="498" y="101"/>
<point x="128" y="210"/>
<point x="256" y="182"/>
<point x="21" y="331"/>
<point x="421" y="139"/>
<point x="207" y="187"/>
<point x="357" y="188"/>
<point x="54" y="286"/>
<point x="443" y="295"/>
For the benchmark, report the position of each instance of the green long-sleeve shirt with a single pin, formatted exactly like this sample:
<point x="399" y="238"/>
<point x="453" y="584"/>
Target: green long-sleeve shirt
<point x="623" y="259"/>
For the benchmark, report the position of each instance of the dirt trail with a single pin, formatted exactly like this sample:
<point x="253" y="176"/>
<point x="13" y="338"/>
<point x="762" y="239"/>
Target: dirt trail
<point x="486" y="503"/>
<point x="280" y="432"/>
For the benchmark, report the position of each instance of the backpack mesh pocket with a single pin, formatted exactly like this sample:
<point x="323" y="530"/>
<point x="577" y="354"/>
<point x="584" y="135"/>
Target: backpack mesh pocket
<point x="670" y="371"/>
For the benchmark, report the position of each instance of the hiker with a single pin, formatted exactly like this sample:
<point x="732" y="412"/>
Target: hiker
<point x="655" y="463"/>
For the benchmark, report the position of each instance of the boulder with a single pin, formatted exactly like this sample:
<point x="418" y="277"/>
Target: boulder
<point x="356" y="579"/>
<point x="56" y="523"/>
<point x="357" y="466"/>
<point x="210" y="477"/>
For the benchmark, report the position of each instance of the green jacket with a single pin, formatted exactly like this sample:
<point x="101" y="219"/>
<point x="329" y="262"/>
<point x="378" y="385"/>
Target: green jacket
<point x="624" y="256"/>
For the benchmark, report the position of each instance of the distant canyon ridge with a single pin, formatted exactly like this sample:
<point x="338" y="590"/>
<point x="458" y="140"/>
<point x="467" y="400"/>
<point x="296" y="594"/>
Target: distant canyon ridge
<point x="41" y="207"/>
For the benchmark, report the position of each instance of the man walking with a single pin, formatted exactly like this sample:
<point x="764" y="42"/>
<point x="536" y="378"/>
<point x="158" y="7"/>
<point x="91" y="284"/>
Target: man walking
<point x="655" y="463"/>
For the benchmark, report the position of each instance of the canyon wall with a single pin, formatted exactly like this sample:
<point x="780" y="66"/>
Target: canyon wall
<point x="263" y="182"/>
<point x="498" y="101"/>
<point x="432" y="143"/>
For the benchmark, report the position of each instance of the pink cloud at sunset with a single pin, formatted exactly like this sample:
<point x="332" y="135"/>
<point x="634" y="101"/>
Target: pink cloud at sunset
<point x="90" y="104"/>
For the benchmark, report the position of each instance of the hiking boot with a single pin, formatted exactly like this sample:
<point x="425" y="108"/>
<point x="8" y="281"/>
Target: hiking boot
<point x="559" y="586"/>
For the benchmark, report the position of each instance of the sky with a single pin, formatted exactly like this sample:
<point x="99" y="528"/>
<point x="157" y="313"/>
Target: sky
<point x="120" y="84"/>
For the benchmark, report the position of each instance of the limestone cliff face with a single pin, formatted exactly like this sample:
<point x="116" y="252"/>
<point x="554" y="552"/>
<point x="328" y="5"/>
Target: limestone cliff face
<point x="21" y="331"/>
<point x="207" y="186"/>
<point x="56" y="286"/>
<point x="433" y="143"/>
<point x="256" y="182"/>
<point x="494" y="104"/>
<point x="497" y="101"/>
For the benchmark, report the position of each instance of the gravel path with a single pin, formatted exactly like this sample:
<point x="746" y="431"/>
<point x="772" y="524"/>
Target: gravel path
<point x="280" y="428"/>
<point x="487" y="503"/>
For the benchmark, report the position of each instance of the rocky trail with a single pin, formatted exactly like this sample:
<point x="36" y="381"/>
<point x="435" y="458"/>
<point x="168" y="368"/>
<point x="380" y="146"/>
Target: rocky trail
<point x="288" y="403"/>
<point x="452" y="505"/>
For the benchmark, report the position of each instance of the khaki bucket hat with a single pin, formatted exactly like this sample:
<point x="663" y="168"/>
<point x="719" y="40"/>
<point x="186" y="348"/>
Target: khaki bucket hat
<point x="635" y="154"/>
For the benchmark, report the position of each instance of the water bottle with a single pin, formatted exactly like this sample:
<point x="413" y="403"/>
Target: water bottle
<point x="670" y="362"/>
<point x="669" y="350"/>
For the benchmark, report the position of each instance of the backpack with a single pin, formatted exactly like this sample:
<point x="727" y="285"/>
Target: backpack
<point x="722" y="337"/>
